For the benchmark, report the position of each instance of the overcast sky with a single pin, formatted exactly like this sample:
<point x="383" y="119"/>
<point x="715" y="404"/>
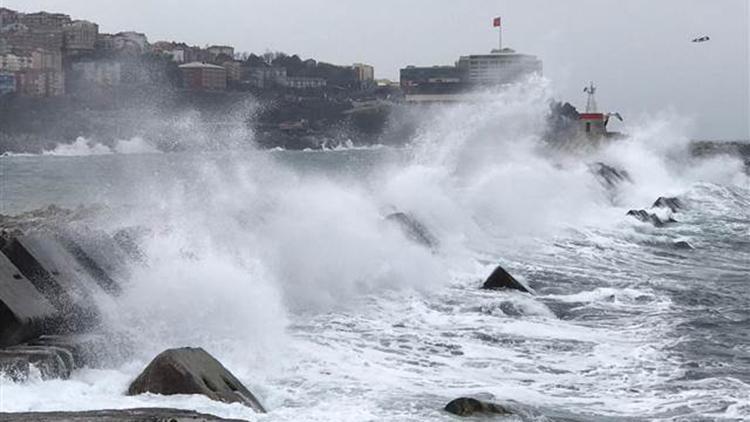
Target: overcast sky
<point x="638" y="52"/>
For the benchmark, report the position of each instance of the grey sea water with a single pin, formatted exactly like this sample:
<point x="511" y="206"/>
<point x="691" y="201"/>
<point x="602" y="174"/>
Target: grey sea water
<point x="282" y="265"/>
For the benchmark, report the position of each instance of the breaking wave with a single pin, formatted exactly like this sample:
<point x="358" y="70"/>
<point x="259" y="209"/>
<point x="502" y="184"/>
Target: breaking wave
<point x="284" y="266"/>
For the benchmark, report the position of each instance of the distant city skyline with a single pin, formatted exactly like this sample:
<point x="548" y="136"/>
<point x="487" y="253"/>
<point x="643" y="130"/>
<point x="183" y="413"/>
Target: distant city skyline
<point x="637" y="52"/>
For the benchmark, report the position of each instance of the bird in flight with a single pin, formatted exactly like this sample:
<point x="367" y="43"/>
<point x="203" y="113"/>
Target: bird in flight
<point x="702" y="39"/>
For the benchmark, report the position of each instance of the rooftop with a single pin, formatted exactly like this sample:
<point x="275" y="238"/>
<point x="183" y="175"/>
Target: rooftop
<point x="200" y="65"/>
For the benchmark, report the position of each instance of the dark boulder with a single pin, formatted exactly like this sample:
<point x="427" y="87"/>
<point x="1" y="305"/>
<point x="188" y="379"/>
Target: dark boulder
<point x="58" y="276"/>
<point x="191" y="370"/>
<point x="672" y="203"/>
<point x="501" y="279"/>
<point x="100" y="255"/>
<point x="652" y="218"/>
<point x="52" y="362"/>
<point x="130" y="239"/>
<point x="90" y="349"/>
<point x="151" y="414"/>
<point x="24" y="312"/>
<point x="682" y="244"/>
<point x="609" y="176"/>
<point x="413" y="229"/>
<point x="466" y="406"/>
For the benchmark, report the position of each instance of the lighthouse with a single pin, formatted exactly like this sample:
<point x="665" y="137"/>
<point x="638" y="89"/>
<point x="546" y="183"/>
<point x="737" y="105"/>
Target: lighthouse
<point x="592" y="123"/>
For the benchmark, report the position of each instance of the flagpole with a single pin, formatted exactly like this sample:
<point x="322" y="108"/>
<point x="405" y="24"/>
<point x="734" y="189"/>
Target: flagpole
<point x="500" y="36"/>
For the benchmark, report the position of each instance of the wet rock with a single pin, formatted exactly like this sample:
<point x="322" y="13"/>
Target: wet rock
<point x="672" y="203"/>
<point x="153" y="414"/>
<point x="467" y="406"/>
<point x="100" y="255"/>
<point x="24" y="312"/>
<point x="91" y="349"/>
<point x="52" y="362"/>
<point x="413" y="229"/>
<point x="192" y="371"/>
<point x="609" y="176"/>
<point x="683" y="244"/>
<point x="652" y="218"/>
<point x="58" y="276"/>
<point x="501" y="279"/>
<point x="129" y="240"/>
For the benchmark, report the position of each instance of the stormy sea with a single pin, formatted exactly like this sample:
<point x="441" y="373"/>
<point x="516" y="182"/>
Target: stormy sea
<point x="283" y="265"/>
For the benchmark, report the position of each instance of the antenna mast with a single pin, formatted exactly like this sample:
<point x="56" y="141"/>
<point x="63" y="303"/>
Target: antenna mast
<point x="591" y="101"/>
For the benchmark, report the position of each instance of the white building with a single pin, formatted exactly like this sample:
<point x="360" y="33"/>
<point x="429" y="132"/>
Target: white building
<point x="499" y="67"/>
<point x="99" y="73"/>
<point x="15" y="63"/>
<point x="130" y="40"/>
<point x="80" y="35"/>
<point x="365" y="72"/>
<point x="304" y="82"/>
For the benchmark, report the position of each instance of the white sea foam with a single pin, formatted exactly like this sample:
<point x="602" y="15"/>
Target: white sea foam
<point x="298" y="284"/>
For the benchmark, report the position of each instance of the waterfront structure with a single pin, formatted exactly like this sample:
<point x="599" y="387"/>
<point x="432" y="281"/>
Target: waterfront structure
<point x="40" y="83"/>
<point x="105" y="42"/>
<point x="234" y="70"/>
<point x="12" y="62"/>
<point x="44" y="20"/>
<point x="200" y="76"/>
<point x="498" y="68"/>
<point x="592" y="123"/>
<point x="80" y="36"/>
<point x="21" y="36"/>
<point x="130" y="41"/>
<point x="7" y="17"/>
<point x="364" y="72"/>
<point x="7" y="83"/>
<point x="217" y="50"/>
<point x="100" y="74"/>
<point x="431" y="81"/>
<point x="266" y="77"/>
<point x="49" y="60"/>
<point x="304" y="82"/>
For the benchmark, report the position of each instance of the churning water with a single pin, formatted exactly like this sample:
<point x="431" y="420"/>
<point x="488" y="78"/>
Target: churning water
<point x="281" y="265"/>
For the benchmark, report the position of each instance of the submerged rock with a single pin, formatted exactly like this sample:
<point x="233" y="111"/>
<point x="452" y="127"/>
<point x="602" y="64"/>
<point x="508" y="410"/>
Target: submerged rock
<point x="608" y="175"/>
<point x="501" y="279"/>
<point x="24" y="312"/>
<point x="652" y="218"/>
<point x="413" y="229"/>
<point x="672" y="203"/>
<point x="191" y="370"/>
<point x="467" y="406"/>
<point x="130" y="239"/>
<point x="682" y="244"/>
<point x="152" y="414"/>
<point x="52" y="362"/>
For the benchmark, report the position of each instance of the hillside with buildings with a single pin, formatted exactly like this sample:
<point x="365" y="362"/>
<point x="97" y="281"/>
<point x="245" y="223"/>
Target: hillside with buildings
<point x="61" y="78"/>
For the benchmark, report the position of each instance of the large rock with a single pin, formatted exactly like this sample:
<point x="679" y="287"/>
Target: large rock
<point x="153" y="414"/>
<point x="100" y="255"/>
<point x="55" y="356"/>
<point x="672" y="203"/>
<point x="91" y="349"/>
<point x="24" y="312"/>
<point x="609" y="176"/>
<point x="16" y="362"/>
<point x="501" y="279"/>
<point x="413" y="229"/>
<point x="191" y="370"/>
<point x="130" y="239"/>
<point x="652" y="218"/>
<point x="466" y="406"/>
<point x="58" y="276"/>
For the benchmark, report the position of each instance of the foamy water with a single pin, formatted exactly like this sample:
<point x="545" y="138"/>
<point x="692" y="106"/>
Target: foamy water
<point x="281" y="265"/>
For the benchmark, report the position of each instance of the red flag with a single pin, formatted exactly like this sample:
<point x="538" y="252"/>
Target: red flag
<point x="496" y="22"/>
